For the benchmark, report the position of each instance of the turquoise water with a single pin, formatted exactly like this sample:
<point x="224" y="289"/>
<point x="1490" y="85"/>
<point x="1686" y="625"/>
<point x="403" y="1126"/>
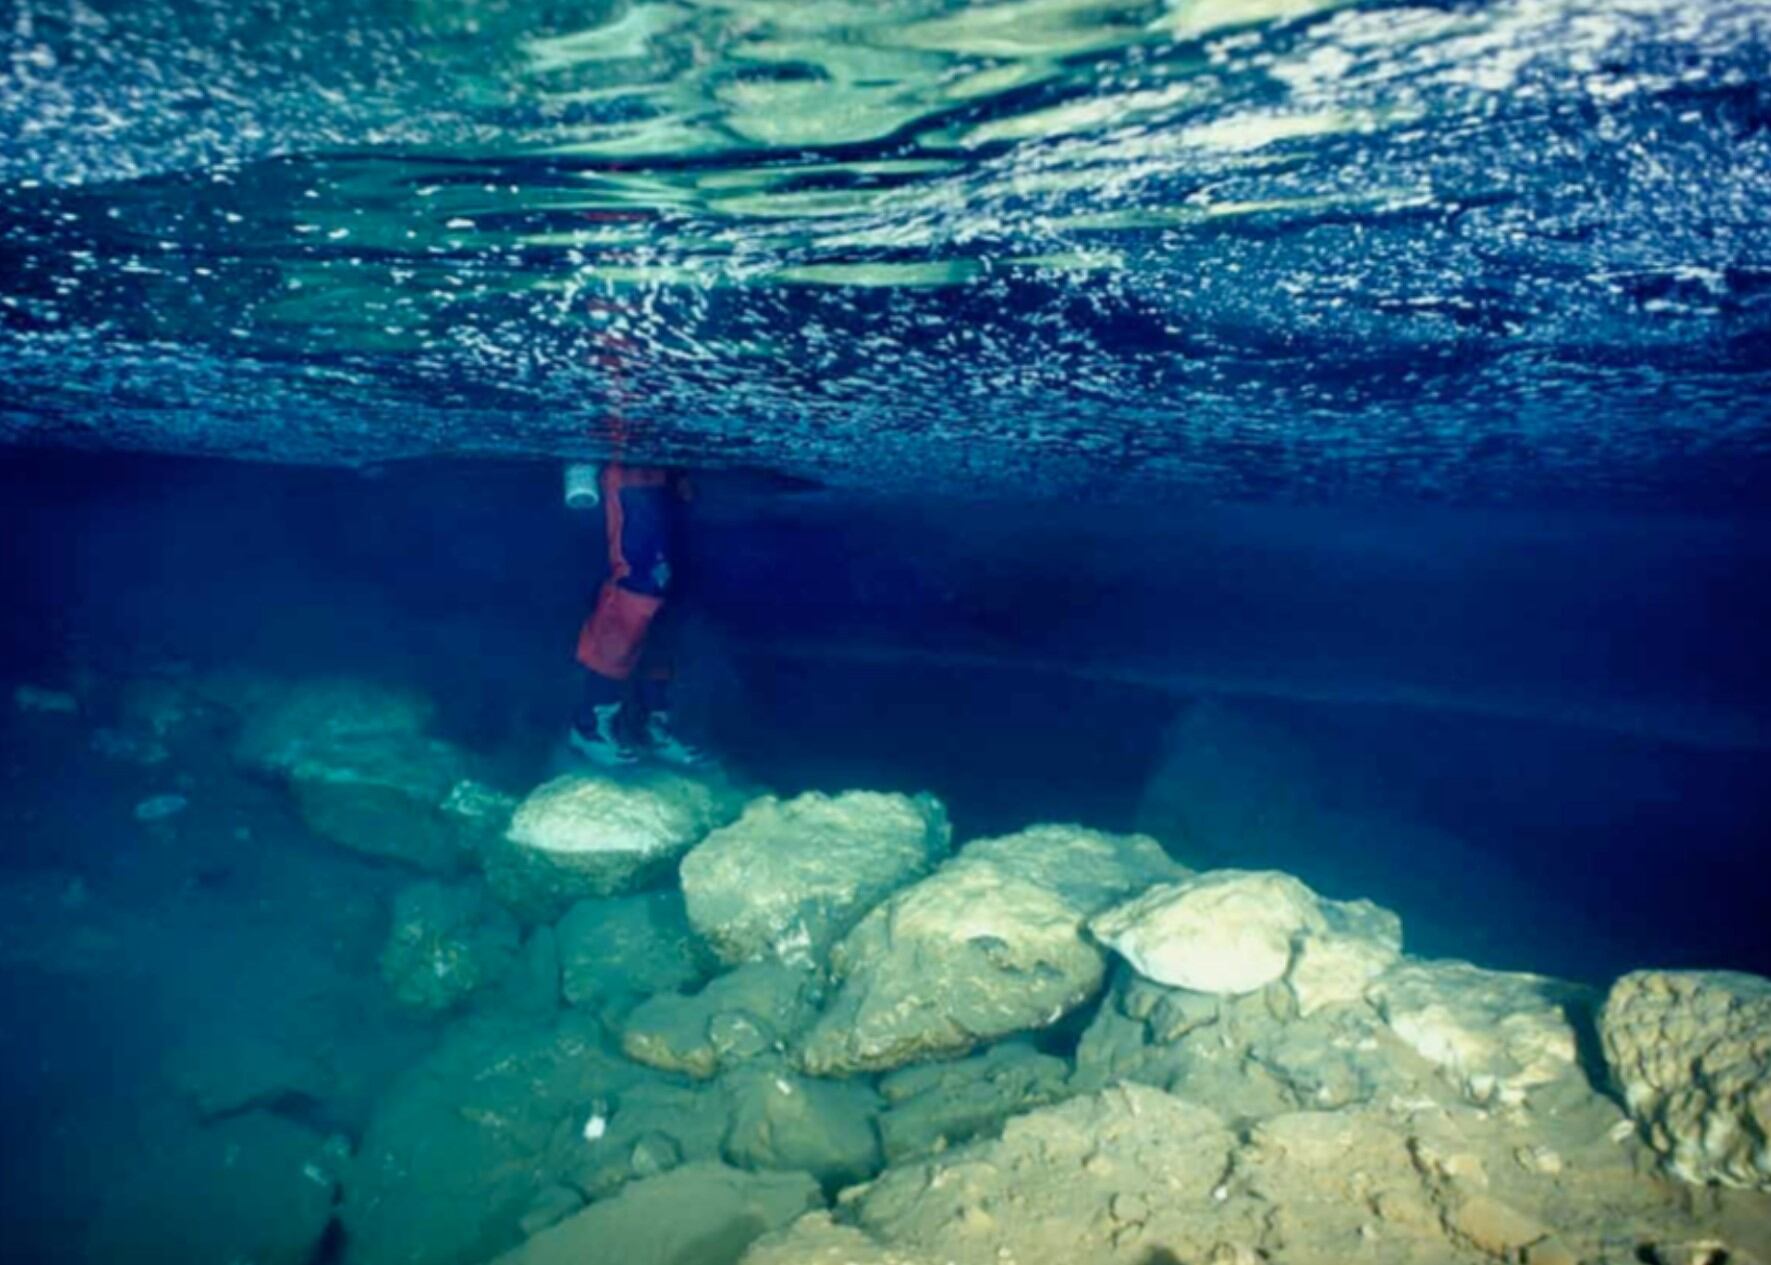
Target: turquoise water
<point x="1276" y="435"/>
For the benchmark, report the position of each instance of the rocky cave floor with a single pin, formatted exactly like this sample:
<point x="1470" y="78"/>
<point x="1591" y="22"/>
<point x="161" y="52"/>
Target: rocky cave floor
<point x="290" y="979"/>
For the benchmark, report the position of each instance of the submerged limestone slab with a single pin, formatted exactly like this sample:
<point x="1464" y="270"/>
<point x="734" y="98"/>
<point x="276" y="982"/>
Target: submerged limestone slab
<point x="1691" y="1051"/>
<point x="992" y="943"/>
<point x="790" y="877"/>
<point x="705" y="1213"/>
<point x="1237" y="931"/>
<point x="580" y="835"/>
<point x="1494" y="1034"/>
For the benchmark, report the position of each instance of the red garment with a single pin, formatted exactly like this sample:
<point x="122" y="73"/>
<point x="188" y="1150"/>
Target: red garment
<point x="613" y="638"/>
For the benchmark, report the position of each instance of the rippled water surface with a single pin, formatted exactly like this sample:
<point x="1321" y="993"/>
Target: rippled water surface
<point x="1489" y="250"/>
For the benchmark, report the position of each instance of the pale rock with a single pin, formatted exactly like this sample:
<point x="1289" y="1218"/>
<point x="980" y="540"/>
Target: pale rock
<point x="705" y="1213"/>
<point x="1236" y="931"/>
<point x="579" y="836"/>
<point x="790" y="877"/>
<point x="1228" y="931"/>
<point x="990" y="944"/>
<point x="1335" y="964"/>
<point x="1691" y="1052"/>
<point x="1494" y="1034"/>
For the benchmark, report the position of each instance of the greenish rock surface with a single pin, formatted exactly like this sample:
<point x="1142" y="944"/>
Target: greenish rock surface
<point x="932" y="1106"/>
<point x="462" y="1146"/>
<point x="647" y="1128"/>
<point x="756" y="1009"/>
<point x="699" y="1214"/>
<point x="253" y="1187"/>
<point x="626" y="947"/>
<point x="790" y="877"/>
<point x="1691" y="1053"/>
<point x="781" y="1120"/>
<point x="990" y="944"/>
<point x="447" y="942"/>
<point x="364" y="773"/>
<point x="287" y="722"/>
<point x="581" y="836"/>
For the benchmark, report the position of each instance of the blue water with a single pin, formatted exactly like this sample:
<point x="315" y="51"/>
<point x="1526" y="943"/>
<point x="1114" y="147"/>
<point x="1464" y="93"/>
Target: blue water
<point x="1333" y="437"/>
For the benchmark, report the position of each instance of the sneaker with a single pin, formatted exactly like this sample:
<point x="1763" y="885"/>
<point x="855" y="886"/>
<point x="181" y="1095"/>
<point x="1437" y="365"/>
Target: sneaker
<point x="670" y="746"/>
<point x="604" y="744"/>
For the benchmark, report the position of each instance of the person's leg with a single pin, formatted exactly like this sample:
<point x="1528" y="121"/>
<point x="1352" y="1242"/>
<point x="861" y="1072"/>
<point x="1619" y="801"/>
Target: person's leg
<point x="637" y="513"/>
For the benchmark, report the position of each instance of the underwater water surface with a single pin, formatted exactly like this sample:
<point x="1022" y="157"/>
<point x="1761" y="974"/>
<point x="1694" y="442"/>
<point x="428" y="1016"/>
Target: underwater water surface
<point x="1223" y="570"/>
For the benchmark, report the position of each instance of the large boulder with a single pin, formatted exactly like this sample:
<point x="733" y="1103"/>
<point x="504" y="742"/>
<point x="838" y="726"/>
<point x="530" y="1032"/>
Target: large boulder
<point x="932" y="1106"/>
<point x="1496" y="1035"/>
<point x="272" y="1182"/>
<point x="1249" y="1055"/>
<point x="1691" y="1052"/>
<point x="757" y="1009"/>
<point x="620" y="949"/>
<point x="1235" y="931"/>
<point x="790" y="877"/>
<point x="646" y="1129"/>
<point x="580" y="836"/>
<point x="364" y="773"/>
<point x="992" y="943"/>
<point x="780" y="1120"/>
<point x="705" y="1213"/>
<point x="447" y="941"/>
<point x="464" y="1146"/>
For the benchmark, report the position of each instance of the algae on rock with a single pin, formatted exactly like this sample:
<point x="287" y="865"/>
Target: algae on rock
<point x="789" y="878"/>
